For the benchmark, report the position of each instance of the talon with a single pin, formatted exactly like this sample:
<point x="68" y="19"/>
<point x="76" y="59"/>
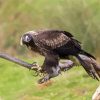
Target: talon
<point x="36" y="67"/>
<point x="44" y="79"/>
<point x="40" y="81"/>
<point x="41" y="74"/>
<point x="36" y="74"/>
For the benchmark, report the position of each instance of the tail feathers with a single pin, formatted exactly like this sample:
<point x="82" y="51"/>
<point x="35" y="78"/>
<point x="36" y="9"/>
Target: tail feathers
<point x="90" y="65"/>
<point x="86" y="53"/>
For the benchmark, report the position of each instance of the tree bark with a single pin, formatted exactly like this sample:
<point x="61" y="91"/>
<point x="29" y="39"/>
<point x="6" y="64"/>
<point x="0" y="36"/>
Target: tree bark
<point x="18" y="61"/>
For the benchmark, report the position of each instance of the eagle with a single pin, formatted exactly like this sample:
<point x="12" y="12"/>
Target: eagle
<point x="55" y="45"/>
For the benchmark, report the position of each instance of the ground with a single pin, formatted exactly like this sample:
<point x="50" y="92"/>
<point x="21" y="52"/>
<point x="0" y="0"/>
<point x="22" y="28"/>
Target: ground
<point x="18" y="83"/>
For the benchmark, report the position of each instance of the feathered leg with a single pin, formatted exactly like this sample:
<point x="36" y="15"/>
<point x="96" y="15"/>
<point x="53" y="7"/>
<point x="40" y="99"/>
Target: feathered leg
<point x="55" y="71"/>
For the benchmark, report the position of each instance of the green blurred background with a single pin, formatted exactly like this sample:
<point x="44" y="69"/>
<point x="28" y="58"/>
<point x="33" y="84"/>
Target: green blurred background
<point x="80" y="17"/>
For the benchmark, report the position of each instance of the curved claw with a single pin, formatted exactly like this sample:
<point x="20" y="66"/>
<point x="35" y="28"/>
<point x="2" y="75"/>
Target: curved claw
<point x="44" y="79"/>
<point x="36" y="74"/>
<point x="36" y="67"/>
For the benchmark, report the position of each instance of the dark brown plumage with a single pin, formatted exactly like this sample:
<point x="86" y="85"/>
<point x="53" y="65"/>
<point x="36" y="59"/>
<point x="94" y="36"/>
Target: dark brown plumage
<point x="55" y="45"/>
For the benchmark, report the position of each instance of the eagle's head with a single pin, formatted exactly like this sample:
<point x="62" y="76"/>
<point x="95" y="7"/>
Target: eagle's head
<point x="27" y="39"/>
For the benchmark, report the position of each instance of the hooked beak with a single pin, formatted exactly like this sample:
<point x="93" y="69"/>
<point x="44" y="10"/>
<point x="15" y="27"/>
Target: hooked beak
<point x="21" y="43"/>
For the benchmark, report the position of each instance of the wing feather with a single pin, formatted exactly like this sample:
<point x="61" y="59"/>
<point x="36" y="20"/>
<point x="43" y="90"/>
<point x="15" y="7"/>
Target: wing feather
<point x="52" y="39"/>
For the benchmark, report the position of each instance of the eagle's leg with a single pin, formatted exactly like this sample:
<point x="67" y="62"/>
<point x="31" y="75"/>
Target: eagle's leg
<point x="55" y="72"/>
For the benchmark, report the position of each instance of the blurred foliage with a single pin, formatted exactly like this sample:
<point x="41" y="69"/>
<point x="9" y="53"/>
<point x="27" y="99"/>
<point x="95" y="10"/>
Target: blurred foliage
<point x="80" y="17"/>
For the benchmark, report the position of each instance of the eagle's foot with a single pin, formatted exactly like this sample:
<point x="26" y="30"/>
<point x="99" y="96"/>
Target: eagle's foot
<point x="44" y="79"/>
<point x="35" y="66"/>
<point x="37" y="69"/>
<point x="47" y="76"/>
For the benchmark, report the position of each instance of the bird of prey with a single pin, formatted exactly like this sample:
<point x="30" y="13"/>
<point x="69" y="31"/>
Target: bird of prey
<point x="55" y="45"/>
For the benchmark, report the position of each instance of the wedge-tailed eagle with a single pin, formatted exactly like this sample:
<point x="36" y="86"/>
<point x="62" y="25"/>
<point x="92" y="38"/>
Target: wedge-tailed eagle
<point x="55" y="45"/>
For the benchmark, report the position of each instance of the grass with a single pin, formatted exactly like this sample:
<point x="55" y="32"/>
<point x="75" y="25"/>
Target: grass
<point x="18" y="83"/>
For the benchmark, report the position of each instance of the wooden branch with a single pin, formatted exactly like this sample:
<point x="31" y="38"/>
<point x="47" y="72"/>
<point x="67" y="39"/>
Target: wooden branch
<point x="19" y="62"/>
<point x="64" y="66"/>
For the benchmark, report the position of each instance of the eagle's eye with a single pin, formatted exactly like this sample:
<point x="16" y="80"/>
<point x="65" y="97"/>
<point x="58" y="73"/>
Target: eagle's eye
<point x="26" y="39"/>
